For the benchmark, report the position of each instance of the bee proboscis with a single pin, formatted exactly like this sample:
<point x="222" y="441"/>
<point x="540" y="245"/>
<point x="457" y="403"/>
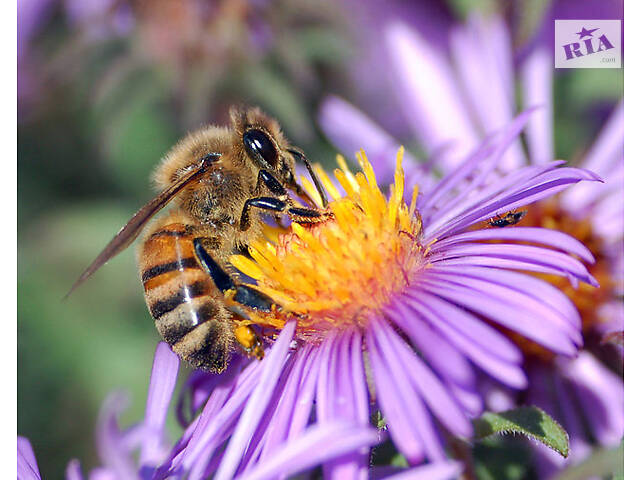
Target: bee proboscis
<point x="221" y="179"/>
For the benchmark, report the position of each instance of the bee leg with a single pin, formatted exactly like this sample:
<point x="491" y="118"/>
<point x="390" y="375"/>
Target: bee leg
<point x="245" y="295"/>
<point x="281" y="202"/>
<point x="242" y="294"/>
<point x="301" y="214"/>
<point x="271" y="183"/>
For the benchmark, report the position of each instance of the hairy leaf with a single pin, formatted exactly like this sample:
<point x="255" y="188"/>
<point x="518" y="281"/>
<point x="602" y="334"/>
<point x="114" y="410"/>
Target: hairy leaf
<point x="529" y="421"/>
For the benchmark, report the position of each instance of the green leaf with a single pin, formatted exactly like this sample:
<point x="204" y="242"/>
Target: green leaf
<point x="399" y="460"/>
<point x="465" y="8"/>
<point x="531" y="422"/>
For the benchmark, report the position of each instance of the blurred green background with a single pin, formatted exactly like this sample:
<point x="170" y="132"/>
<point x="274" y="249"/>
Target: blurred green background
<point x="105" y="88"/>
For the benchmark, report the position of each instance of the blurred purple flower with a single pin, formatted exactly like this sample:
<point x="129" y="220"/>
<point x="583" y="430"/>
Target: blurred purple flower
<point x="584" y="388"/>
<point x="544" y="34"/>
<point x="369" y="68"/>
<point x="473" y="82"/>
<point x="32" y="14"/>
<point x="343" y="360"/>
<point x="116" y="447"/>
<point x="100" y="19"/>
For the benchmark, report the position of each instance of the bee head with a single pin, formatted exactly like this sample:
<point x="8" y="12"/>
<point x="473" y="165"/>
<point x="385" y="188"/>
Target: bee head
<point x="264" y="142"/>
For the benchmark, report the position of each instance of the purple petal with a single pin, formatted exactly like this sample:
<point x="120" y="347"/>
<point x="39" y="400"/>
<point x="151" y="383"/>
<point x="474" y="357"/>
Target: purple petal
<point x="102" y="474"/>
<point x="27" y="463"/>
<point x="537" y="90"/>
<point x="570" y="417"/>
<point x="326" y="387"/>
<point x="538" y="188"/>
<point x="400" y="404"/>
<point x="425" y="77"/>
<point x="318" y="444"/>
<point x="504" y="263"/>
<point x="164" y="374"/>
<point x="254" y="450"/>
<point x="200" y="386"/>
<point x="475" y="347"/>
<point x="336" y="401"/>
<point x="602" y="394"/>
<point x="502" y="311"/>
<point x="402" y="431"/>
<point x="505" y="285"/>
<point x="432" y="390"/>
<point x="31" y="15"/>
<point x="214" y="421"/>
<point x="360" y="390"/>
<point x="481" y="51"/>
<point x="446" y="360"/>
<point x="538" y="289"/>
<point x="111" y="450"/>
<point x="281" y="421"/>
<point x="543" y="394"/>
<point x="444" y="470"/>
<point x="257" y="403"/>
<point x="306" y="395"/>
<point x="545" y="236"/>
<point x="469" y="398"/>
<point x="561" y="263"/>
<point x="509" y="296"/>
<point x="458" y="204"/>
<point x="476" y="168"/>
<point x="73" y="471"/>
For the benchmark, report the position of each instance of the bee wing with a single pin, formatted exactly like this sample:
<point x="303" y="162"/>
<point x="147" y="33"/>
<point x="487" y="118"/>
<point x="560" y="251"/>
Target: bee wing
<point x="132" y="229"/>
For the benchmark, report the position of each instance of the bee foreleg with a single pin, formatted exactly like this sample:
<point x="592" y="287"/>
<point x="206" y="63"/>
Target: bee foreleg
<point x="271" y="183"/>
<point x="263" y="203"/>
<point x="300" y="214"/>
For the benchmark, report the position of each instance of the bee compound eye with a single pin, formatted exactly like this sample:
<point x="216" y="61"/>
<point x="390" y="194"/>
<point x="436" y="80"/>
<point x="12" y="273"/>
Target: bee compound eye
<point x="260" y="147"/>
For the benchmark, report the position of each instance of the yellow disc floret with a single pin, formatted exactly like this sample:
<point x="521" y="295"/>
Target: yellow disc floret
<point x="336" y="273"/>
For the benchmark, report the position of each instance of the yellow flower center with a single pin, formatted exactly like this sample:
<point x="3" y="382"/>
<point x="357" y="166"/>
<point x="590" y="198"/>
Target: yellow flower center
<point x="334" y="274"/>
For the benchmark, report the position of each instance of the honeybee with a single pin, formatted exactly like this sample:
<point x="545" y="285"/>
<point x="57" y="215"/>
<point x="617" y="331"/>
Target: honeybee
<point x="221" y="179"/>
<point x="509" y="218"/>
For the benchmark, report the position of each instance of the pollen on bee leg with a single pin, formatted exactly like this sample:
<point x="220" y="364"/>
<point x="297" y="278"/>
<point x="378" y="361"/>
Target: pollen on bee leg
<point x="249" y="340"/>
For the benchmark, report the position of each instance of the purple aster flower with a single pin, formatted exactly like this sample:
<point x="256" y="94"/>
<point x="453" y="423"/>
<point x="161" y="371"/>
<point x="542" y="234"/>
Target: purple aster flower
<point x="593" y="213"/>
<point x="117" y="448"/>
<point x="383" y="310"/>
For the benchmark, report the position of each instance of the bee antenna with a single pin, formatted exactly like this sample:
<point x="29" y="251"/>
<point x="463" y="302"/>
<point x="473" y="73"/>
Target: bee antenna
<point x="300" y="156"/>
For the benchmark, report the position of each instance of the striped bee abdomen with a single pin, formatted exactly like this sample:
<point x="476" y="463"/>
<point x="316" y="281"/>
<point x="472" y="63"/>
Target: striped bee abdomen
<point x="188" y="309"/>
